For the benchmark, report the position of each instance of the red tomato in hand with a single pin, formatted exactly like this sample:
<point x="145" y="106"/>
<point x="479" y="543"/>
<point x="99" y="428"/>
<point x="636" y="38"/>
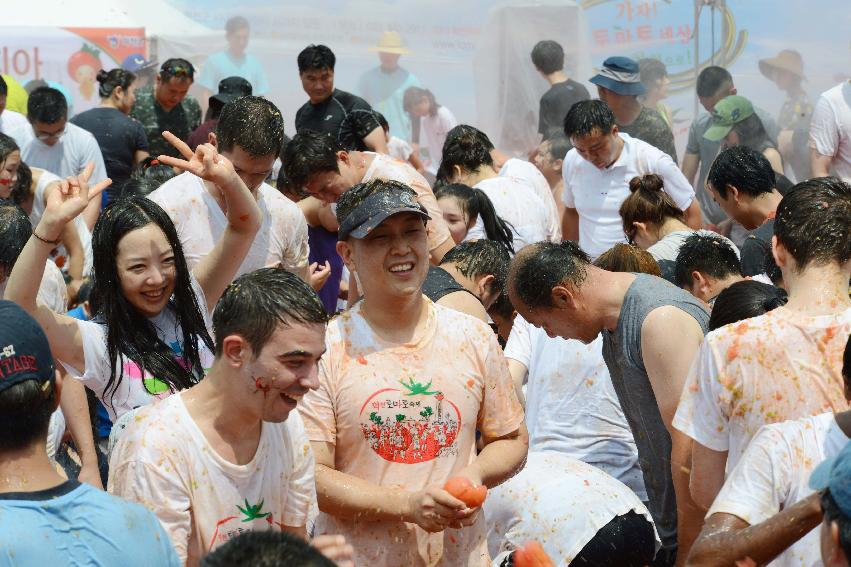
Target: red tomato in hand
<point x="465" y="491"/>
<point x="532" y="554"/>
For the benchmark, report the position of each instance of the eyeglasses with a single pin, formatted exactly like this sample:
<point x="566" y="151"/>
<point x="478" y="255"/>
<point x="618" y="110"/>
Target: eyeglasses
<point x="44" y="136"/>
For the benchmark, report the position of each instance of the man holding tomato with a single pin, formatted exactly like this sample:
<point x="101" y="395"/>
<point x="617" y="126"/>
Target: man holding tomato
<point x="403" y="387"/>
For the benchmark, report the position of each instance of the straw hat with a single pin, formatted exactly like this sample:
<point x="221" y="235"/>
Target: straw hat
<point x="788" y="60"/>
<point x="391" y="42"/>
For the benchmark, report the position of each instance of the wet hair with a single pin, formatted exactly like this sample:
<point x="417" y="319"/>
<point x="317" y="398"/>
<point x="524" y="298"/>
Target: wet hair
<point x="476" y="204"/>
<point x="743" y="300"/>
<point x="266" y="549"/>
<point x="15" y="231"/>
<point x="22" y="189"/>
<point x="129" y="333"/>
<point x="813" y="222"/>
<point x="846" y="361"/>
<point x="257" y="302"/>
<point x="25" y="411"/>
<point x="152" y="172"/>
<point x="651" y="70"/>
<point x="47" y="105"/>
<point x="743" y="168"/>
<point x="752" y="133"/>
<point x="481" y="258"/>
<point x="235" y="24"/>
<point x="467" y="147"/>
<point x="587" y="116"/>
<point x="648" y="203"/>
<point x="252" y="123"/>
<point x="712" y="79"/>
<point x="351" y="199"/>
<point x="176" y="67"/>
<point x="559" y="146"/>
<point x="708" y="254"/>
<point x="413" y="96"/>
<point x="8" y="145"/>
<point x="628" y="258"/>
<point x="316" y="58"/>
<point x="4" y="88"/>
<point x="502" y="307"/>
<point x="110" y="80"/>
<point x="833" y="513"/>
<point x="309" y="153"/>
<point x="542" y="266"/>
<point x="548" y="56"/>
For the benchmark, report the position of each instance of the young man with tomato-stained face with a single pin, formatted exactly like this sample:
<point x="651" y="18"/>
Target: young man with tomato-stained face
<point x="230" y="454"/>
<point x="403" y="388"/>
<point x="651" y="331"/>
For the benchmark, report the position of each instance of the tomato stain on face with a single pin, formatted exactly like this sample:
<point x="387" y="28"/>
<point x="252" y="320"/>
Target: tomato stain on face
<point x="243" y="218"/>
<point x="261" y="386"/>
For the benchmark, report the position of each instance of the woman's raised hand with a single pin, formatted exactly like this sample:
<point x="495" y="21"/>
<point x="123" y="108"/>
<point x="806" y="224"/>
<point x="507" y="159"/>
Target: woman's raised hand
<point x="69" y="200"/>
<point x="207" y="163"/>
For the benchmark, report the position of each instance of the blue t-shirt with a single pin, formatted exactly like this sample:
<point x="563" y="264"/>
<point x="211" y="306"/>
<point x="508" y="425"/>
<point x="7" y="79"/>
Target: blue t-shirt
<point x="76" y="524"/>
<point x="220" y="66"/>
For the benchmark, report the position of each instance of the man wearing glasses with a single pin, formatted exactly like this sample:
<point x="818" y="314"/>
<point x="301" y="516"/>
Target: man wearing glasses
<point x="56" y="145"/>
<point x="166" y="106"/>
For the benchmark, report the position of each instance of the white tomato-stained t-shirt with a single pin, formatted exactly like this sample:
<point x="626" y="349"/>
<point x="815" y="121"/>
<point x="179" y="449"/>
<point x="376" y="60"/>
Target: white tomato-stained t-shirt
<point x="164" y="462"/>
<point x="201" y="222"/>
<point x="571" y="404"/>
<point x="559" y="502"/>
<point x="137" y="386"/>
<point x="406" y="415"/>
<point x="526" y="172"/>
<point x="774" y="473"/>
<point x="830" y="128"/>
<point x="779" y="366"/>
<point x="516" y="203"/>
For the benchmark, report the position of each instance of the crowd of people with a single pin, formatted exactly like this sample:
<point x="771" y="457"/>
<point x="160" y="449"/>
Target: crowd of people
<point x="221" y="345"/>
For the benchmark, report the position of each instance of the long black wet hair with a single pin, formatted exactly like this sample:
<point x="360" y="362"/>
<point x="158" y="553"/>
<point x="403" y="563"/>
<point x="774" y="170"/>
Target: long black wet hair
<point x="128" y="332"/>
<point x="475" y="203"/>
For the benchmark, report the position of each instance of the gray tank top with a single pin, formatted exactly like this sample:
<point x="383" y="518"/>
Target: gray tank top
<point x="622" y="353"/>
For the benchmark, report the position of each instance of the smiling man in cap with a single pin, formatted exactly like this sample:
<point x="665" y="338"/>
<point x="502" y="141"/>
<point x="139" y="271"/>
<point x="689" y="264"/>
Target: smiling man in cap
<point x="46" y="519"/>
<point x="384" y="86"/>
<point x="403" y="387"/>
<point x="619" y="86"/>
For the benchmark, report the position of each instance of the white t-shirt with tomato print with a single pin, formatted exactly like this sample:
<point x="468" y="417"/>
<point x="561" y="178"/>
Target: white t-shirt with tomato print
<point x="164" y="462"/>
<point x="137" y="387"/>
<point x="406" y="415"/>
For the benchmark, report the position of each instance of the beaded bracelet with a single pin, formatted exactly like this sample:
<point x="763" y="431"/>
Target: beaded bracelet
<point x="46" y="241"/>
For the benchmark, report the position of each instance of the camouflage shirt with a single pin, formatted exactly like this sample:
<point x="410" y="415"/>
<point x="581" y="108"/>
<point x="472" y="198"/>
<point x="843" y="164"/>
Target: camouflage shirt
<point x="180" y="121"/>
<point x="796" y="112"/>
<point x="652" y="128"/>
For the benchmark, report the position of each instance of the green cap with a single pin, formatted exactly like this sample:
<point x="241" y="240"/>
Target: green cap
<point x="728" y="112"/>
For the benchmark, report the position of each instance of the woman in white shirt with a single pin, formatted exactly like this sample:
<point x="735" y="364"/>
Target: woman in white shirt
<point x="434" y="120"/>
<point x="150" y="335"/>
<point x="652" y="221"/>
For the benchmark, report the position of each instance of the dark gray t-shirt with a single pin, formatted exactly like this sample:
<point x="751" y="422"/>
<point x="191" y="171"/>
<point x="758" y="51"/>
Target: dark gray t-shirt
<point x="622" y="353"/>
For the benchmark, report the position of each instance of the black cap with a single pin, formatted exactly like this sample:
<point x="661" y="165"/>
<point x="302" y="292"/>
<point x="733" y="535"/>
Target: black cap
<point x="231" y="88"/>
<point x="24" y="350"/>
<point x="376" y="208"/>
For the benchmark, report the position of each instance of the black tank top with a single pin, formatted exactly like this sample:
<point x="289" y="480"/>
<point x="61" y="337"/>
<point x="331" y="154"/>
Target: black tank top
<point x="438" y="283"/>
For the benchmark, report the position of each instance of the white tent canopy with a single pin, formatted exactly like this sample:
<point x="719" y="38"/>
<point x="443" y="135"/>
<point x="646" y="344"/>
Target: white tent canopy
<point x="158" y="17"/>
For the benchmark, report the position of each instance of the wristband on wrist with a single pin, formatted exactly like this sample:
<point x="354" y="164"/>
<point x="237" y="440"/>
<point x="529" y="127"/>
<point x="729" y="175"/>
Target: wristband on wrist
<point x="46" y="241"/>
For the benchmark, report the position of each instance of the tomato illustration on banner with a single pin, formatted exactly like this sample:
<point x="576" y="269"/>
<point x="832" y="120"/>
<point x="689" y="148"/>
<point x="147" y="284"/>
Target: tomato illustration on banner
<point x="83" y="67"/>
<point x="410" y="425"/>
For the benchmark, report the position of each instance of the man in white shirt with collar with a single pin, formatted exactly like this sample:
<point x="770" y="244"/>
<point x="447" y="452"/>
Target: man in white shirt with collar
<point x="597" y="172"/>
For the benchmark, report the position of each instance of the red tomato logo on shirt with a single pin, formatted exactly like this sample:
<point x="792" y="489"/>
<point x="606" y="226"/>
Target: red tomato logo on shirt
<point x="410" y="425"/>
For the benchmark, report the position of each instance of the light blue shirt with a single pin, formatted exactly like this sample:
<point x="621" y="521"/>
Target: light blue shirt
<point x="75" y="524"/>
<point x="221" y="65"/>
<point x="385" y="92"/>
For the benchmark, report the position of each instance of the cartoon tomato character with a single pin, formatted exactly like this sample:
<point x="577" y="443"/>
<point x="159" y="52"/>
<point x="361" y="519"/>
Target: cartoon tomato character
<point x="410" y="425"/>
<point x="83" y="67"/>
<point x="464" y="490"/>
<point x="531" y="554"/>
